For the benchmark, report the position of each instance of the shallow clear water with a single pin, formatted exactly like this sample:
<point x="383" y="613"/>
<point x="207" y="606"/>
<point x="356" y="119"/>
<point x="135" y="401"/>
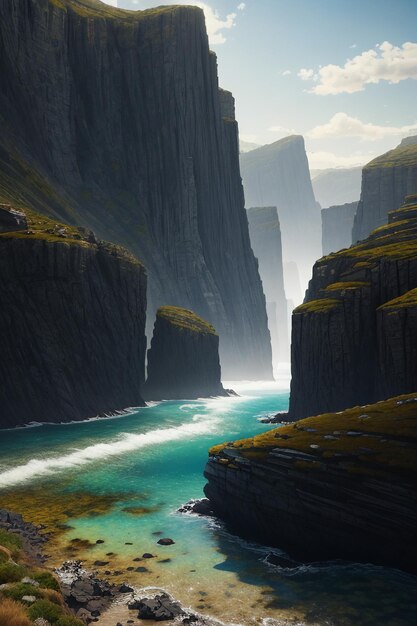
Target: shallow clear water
<point x="151" y="461"/>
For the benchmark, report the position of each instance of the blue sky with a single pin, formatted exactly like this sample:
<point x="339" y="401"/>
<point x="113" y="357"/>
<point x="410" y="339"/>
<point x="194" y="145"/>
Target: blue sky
<point x="319" y="68"/>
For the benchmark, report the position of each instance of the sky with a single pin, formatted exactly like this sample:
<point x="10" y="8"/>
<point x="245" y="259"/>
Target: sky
<point x="343" y="73"/>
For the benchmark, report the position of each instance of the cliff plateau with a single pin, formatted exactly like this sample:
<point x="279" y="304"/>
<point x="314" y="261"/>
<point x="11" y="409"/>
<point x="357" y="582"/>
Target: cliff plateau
<point x="113" y="120"/>
<point x="183" y="360"/>
<point x="72" y="324"/>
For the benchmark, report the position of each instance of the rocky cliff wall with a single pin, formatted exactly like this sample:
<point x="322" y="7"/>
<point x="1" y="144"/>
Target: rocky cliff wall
<point x="72" y="325"/>
<point x="113" y="120"/>
<point x="333" y="486"/>
<point x="342" y="340"/>
<point x="385" y="182"/>
<point x="183" y="360"/>
<point x="336" y="226"/>
<point x="278" y="175"/>
<point x="265" y="237"/>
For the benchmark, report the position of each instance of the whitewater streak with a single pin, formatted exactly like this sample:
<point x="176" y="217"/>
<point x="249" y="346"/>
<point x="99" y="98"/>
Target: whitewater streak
<point x="126" y="442"/>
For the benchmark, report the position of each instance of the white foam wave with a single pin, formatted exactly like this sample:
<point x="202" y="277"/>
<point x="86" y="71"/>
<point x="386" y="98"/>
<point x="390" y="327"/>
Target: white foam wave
<point x="126" y="442"/>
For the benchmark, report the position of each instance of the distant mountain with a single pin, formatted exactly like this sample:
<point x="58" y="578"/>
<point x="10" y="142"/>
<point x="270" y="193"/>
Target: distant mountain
<point x="336" y="186"/>
<point x="247" y="146"/>
<point x="386" y="180"/>
<point x="278" y="175"/>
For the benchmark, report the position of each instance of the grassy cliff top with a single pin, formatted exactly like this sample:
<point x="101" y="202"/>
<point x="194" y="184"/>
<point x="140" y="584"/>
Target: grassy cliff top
<point x="375" y="439"/>
<point x="407" y="300"/>
<point x="403" y="155"/>
<point x="185" y="319"/>
<point x="95" y="8"/>
<point x="351" y="286"/>
<point x="321" y="305"/>
<point x="46" y="229"/>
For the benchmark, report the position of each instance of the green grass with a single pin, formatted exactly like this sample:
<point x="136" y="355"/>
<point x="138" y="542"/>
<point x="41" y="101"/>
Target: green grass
<point x="323" y="305"/>
<point x="11" y="542"/>
<point x="347" y="286"/>
<point x="45" y="609"/>
<point x="46" y="580"/>
<point x="11" y="573"/>
<point x="400" y="156"/>
<point x="183" y="318"/>
<point x="407" y="300"/>
<point x="18" y="590"/>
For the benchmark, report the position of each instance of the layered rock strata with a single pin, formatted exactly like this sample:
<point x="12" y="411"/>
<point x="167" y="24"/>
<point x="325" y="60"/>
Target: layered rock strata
<point x="265" y="237"/>
<point x="385" y="182"/>
<point x="72" y="325"/>
<point x="183" y="360"/>
<point x="113" y="120"/>
<point x="333" y="486"/>
<point x="336" y="226"/>
<point x="348" y="332"/>
<point x="278" y="175"/>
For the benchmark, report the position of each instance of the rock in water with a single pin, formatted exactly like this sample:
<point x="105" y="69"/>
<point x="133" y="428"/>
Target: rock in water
<point x="277" y="175"/>
<point x="113" y="120"/>
<point x="183" y="361"/>
<point x="72" y="325"/>
<point x="385" y="182"/>
<point x="265" y="237"/>
<point x="336" y="226"/>
<point x="353" y="340"/>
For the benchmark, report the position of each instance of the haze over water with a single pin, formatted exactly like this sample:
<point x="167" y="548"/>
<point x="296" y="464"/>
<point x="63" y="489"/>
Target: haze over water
<point x="147" y="464"/>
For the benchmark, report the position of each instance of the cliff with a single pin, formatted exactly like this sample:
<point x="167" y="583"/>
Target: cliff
<point x="385" y="182"/>
<point x="333" y="486"/>
<point x="336" y="186"/>
<point x="183" y="360"/>
<point x="72" y="324"/>
<point x="112" y="119"/>
<point x="350" y="337"/>
<point x="336" y="227"/>
<point x="278" y="175"/>
<point x="265" y="237"/>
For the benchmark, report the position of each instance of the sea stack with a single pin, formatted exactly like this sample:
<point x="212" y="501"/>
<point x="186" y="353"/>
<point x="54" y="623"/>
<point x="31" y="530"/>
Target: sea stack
<point x="113" y="120"/>
<point x="278" y="175"/>
<point x="336" y="226"/>
<point x="351" y="337"/>
<point x="265" y="237"/>
<point x="385" y="182"/>
<point x="72" y="324"/>
<point x="183" y="360"/>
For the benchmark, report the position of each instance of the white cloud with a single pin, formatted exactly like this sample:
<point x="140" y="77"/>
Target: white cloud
<point x="384" y="63"/>
<point x="353" y="46"/>
<point x="241" y="6"/>
<point x="286" y="72"/>
<point x="323" y="160"/>
<point x="343" y="125"/>
<point x="282" y="130"/>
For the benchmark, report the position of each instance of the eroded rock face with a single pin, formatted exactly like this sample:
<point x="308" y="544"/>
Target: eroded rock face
<point x="385" y="182"/>
<point x="183" y="360"/>
<point x="350" y="344"/>
<point x="265" y="237"/>
<point x="72" y="325"/>
<point x="319" y="488"/>
<point x="112" y="120"/>
<point x="336" y="226"/>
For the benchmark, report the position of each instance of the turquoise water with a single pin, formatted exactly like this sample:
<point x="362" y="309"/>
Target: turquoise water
<point x="151" y="461"/>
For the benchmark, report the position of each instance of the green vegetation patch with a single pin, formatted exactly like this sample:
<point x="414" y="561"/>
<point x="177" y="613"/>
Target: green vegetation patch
<point x="46" y="610"/>
<point x="11" y="542"/>
<point x="18" y="590"/>
<point x="409" y="299"/>
<point x="323" y="305"/>
<point x="11" y="572"/>
<point x="347" y="285"/>
<point x="400" y="156"/>
<point x="185" y="319"/>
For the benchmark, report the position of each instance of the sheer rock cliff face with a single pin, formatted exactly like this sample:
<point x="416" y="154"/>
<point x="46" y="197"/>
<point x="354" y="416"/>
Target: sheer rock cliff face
<point x="113" y="120"/>
<point x="336" y="226"/>
<point x="183" y="361"/>
<point x="72" y="325"/>
<point x="278" y="175"/>
<point x="339" y="485"/>
<point x="265" y="237"/>
<point x="345" y="334"/>
<point x="385" y="182"/>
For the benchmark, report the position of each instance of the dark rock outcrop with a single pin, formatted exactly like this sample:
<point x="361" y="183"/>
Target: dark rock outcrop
<point x="112" y="119"/>
<point x="11" y="220"/>
<point x="385" y="182"/>
<point x="342" y="340"/>
<point x="336" y="226"/>
<point x="333" y="486"/>
<point x="72" y="325"/>
<point x="277" y="175"/>
<point x="265" y="237"/>
<point x="337" y="186"/>
<point x="183" y="360"/>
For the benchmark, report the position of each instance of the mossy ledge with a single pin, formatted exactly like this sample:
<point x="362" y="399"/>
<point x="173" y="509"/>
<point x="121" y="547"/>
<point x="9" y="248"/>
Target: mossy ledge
<point x="318" y="488"/>
<point x="185" y="319"/>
